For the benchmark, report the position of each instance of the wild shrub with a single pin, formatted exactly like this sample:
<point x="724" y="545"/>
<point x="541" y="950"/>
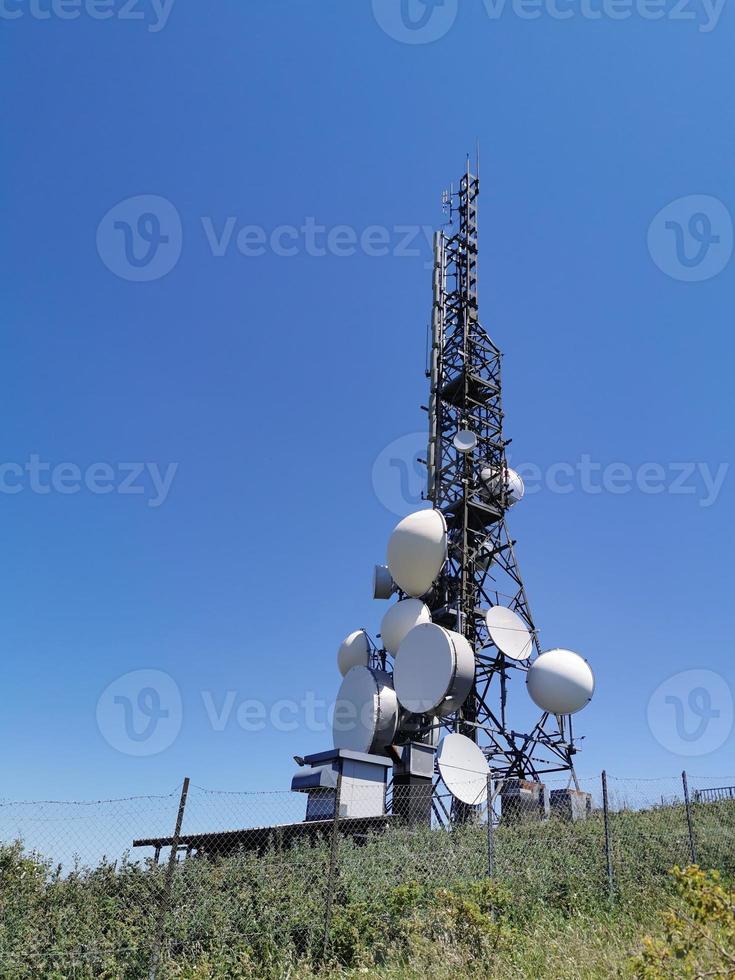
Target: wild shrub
<point x="698" y="935"/>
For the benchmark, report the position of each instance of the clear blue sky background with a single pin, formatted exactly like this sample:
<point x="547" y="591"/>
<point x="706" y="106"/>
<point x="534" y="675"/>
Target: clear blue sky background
<point x="275" y="382"/>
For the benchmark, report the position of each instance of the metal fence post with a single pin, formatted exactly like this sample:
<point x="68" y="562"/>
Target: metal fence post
<point x="490" y="827"/>
<point x="160" y="933"/>
<point x="690" y="821"/>
<point x="333" y="853"/>
<point x="608" y="843"/>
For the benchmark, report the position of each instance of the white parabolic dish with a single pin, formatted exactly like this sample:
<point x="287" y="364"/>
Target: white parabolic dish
<point x="354" y="651"/>
<point x="561" y="682"/>
<point x="465" y="441"/>
<point x="434" y="670"/>
<point x="514" y="485"/>
<point x="417" y="550"/>
<point x="366" y="711"/>
<point x="463" y="768"/>
<point x="400" y="620"/>
<point x="509" y="633"/>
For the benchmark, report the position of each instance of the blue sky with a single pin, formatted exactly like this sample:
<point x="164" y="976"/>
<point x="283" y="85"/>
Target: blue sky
<point x="258" y="389"/>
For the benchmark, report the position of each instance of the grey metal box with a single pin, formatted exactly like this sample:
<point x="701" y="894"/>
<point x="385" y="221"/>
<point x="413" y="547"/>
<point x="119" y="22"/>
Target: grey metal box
<point x="364" y="781"/>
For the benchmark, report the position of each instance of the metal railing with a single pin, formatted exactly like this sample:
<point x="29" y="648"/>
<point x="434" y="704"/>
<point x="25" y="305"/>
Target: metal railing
<point x="714" y="793"/>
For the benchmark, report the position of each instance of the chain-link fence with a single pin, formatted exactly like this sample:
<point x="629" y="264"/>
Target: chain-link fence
<point x="137" y="887"/>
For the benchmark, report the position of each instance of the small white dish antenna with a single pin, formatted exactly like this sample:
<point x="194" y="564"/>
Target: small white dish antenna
<point x="560" y="682"/>
<point x="400" y="620"/>
<point x="485" y="554"/>
<point x="354" y="651"/>
<point x="383" y="584"/>
<point x="434" y="670"/>
<point x="463" y="768"/>
<point x="366" y="711"/>
<point x="465" y="441"/>
<point x="417" y="550"/>
<point x="509" y="633"/>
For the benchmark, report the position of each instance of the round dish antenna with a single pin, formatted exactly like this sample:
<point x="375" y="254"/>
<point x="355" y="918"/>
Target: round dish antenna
<point x="434" y="670"/>
<point x="485" y="554"/>
<point x="353" y="652"/>
<point x="465" y="441"/>
<point x="383" y="584"/>
<point x="515" y="487"/>
<point x="509" y="633"/>
<point x="463" y="768"/>
<point x="417" y="550"/>
<point x="560" y="682"/>
<point x="400" y="620"/>
<point x="366" y="711"/>
<point x="512" y="486"/>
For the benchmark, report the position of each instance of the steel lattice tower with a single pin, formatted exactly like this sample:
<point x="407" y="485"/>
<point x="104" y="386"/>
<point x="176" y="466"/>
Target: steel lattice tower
<point x="481" y="571"/>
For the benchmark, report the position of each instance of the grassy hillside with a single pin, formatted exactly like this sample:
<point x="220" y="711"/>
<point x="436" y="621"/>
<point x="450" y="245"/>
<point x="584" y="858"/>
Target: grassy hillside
<point x="407" y="904"/>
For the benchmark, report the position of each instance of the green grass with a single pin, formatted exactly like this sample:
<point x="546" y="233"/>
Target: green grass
<point x="407" y="904"/>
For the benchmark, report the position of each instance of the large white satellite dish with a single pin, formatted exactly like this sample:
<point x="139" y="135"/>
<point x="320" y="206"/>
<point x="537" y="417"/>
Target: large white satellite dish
<point x="513" y="485"/>
<point x="366" y="711"/>
<point x="560" y="682"/>
<point x="383" y="584"/>
<point x="465" y="441"/>
<point x="463" y="768"/>
<point x="400" y="620"/>
<point x="354" y="651"/>
<point x="509" y="633"/>
<point x="434" y="670"/>
<point x="417" y="550"/>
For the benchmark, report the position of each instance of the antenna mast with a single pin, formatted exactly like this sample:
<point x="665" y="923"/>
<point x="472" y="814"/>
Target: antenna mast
<point x="470" y="487"/>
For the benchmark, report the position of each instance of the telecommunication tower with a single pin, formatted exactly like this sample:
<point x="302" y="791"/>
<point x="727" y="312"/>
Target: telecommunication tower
<point x="435" y="694"/>
<point x="470" y="482"/>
